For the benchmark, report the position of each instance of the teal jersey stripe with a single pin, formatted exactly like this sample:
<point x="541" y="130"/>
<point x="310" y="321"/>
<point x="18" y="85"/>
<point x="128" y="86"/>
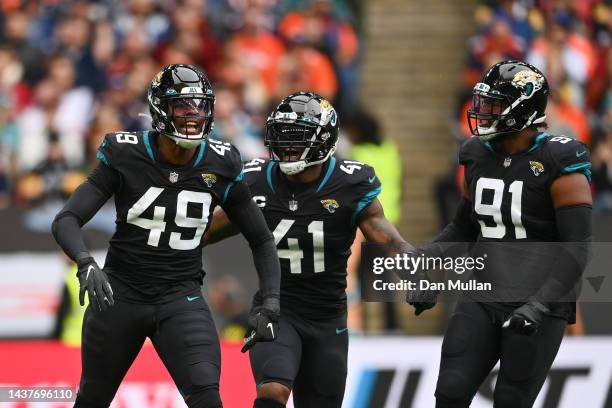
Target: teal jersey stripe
<point x="147" y="143"/>
<point x="538" y="141"/>
<point x="330" y="170"/>
<point x="102" y="157"/>
<point x="200" y="154"/>
<point x="364" y="202"/>
<point x="269" y="175"/>
<point x="536" y="144"/>
<point x="238" y="178"/>
<point x="582" y="167"/>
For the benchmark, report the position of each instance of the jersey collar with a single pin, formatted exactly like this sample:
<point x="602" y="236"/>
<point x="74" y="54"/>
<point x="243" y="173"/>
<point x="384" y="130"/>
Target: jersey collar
<point x="272" y="174"/>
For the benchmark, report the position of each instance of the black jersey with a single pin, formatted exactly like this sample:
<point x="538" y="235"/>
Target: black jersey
<point x="513" y="208"/>
<point x="314" y="227"/>
<point x="163" y="210"/>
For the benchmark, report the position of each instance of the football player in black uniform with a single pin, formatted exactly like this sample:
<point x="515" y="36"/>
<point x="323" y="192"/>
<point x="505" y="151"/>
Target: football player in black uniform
<point x="313" y="203"/>
<point x="166" y="184"/>
<point x="521" y="186"/>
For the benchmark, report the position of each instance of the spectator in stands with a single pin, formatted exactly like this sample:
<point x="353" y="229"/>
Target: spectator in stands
<point x="145" y="16"/>
<point x="331" y="36"/>
<point x="496" y="43"/>
<point x="128" y="93"/>
<point x="233" y="124"/>
<point x="564" y="118"/>
<point x="303" y="67"/>
<point x="190" y="33"/>
<point x="228" y="301"/>
<point x="259" y="49"/>
<point x="564" y="56"/>
<point x="602" y="164"/>
<point x="368" y="145"/>
<point x="60" y="108"/>
<point x="52" y="180"/>
<point x="16" y="34"/>
<point x="76" y="42"/>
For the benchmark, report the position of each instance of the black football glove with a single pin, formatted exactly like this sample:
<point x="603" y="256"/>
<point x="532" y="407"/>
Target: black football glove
<point x="422" y="300"/>
<point x="93" y="280"/>
<point x="263" y="323"/>
<point x="526" y="319"/>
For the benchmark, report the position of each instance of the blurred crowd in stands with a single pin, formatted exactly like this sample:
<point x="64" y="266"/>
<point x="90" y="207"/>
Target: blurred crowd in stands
<point x="71" y="71"/>
<point x="570" y="42"/>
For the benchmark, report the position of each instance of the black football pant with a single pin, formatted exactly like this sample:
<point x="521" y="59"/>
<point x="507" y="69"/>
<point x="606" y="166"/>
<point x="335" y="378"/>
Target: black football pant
<point x="473" y="343"/>
<point x="184" y="336"/>
<point x="309" y="357"/>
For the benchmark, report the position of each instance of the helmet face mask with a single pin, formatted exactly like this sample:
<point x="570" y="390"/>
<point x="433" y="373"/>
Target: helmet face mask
<point x="301" y="132"/>
<point x="511" y="96"/>
<point x="189" y="115"/>
<point x="487" y="113"/>
<point x="181" y="103"/>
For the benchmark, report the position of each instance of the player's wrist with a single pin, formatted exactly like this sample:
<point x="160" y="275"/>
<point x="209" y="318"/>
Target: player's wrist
<point x="83" y="259"/>
<point x="271" y="305"/>
<point x="540" y="306"/>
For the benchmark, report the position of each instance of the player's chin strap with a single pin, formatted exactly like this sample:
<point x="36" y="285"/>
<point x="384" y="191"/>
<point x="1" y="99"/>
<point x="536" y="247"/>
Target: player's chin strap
<point x="185" y="143"/>
<point x="291" y="168"/>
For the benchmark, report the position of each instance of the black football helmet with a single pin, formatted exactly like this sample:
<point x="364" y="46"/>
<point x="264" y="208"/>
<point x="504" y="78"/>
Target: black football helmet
<point x="302" y="131"/>
<point x="511" y="96"/>
<point x="181" y="103"/>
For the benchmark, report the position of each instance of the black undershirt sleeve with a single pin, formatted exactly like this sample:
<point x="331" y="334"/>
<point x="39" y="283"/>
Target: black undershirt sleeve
<point x="247" y="216"/>
<point x="82" y="205"/>
<point x="460" y="229"/>
<point x="574" y="224"/>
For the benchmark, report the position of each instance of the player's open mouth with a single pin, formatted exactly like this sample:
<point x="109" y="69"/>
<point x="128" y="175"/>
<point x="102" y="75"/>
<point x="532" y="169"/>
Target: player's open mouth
<point x="290" y="155"/>
<point x="190" y="127"/>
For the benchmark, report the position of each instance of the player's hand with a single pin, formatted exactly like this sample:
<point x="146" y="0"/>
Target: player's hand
<point x="94" y="281"/>
<point x="263" y="323"/>
<point x="422" y="300"/>
<point x="526" y="319"/>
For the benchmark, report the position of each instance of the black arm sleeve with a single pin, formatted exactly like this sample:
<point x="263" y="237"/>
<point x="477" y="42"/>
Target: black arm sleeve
<point x="251" y="222"/>
<point x="460" y="229"/>
<point x="574" y="224"/>
<point x="81" y="207"/>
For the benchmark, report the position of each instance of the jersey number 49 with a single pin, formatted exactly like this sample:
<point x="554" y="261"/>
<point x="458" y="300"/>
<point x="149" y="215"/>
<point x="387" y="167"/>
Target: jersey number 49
<point x="157" y="225"/>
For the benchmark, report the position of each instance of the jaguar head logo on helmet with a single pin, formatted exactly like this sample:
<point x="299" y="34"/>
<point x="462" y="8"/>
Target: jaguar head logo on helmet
<point x="301" y="132"/>
<point x="181" y="102"/>
<point x="510" y="97"/>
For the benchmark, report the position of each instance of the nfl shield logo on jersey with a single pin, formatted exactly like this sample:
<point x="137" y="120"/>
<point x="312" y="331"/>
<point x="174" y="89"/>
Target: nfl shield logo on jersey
<point x="173" y="177"/>
<point x="293" y="205"/>
<point x="507" y="162"/>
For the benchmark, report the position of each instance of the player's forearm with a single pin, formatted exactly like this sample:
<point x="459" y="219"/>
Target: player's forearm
<point x="460" y="229"/>
<point x="79" y="209"/>
<point x="67" y="233"/>
<point x="268" y="269"/>
<point x="575" y="228"/>
<point x="250" y="221"/>
<point x="220" y="229"/>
